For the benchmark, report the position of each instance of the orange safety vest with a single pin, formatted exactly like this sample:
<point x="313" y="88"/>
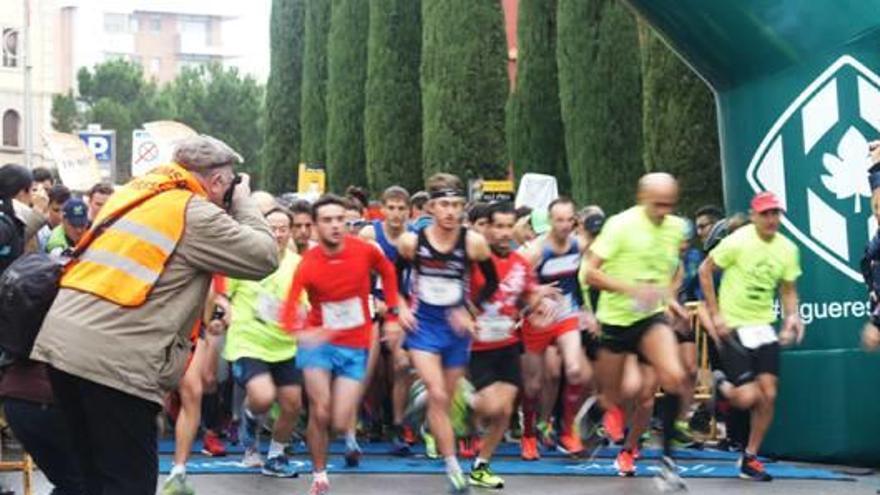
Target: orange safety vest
<point x="122" y="264"/>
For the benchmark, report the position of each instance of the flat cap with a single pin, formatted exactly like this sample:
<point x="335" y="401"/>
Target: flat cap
<point x="201" y="153"/>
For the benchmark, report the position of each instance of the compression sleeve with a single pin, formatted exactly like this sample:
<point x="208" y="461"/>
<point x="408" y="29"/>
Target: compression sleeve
<point x="402" y="266"/>
<point x="491" y="285"/>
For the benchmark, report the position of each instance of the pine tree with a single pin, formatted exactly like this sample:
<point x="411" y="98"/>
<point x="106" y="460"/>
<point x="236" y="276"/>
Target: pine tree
<point x="313" y="115"/>
<point x="535" y="138"/>
<point x="600" y="91"/>
<point x="680" y="127"/>
<point x="393" y="108"/>
<point x="346" y="78"/>
<point x="281" y="151"/>
<point x="464" y="87"/>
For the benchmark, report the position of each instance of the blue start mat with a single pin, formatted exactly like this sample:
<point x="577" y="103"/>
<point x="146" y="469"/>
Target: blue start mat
<point x="166" y="446"/>
<point x="546" y="466"/>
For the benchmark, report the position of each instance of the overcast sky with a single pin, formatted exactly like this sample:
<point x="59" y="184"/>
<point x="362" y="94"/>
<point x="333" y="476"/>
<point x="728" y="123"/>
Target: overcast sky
<point x="250" y="32"/>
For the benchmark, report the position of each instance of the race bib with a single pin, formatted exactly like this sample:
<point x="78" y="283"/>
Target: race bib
<point x="562" y="265"/>
<point x="755" y="336"/>
<point x="440" y="291"/>
<point x="494" y="328"/>
<point x="343" y="315"/>
<point x="268" y="308"/>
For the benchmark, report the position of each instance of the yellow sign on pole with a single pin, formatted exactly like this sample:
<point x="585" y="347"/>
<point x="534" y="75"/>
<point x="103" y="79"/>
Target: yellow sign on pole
<point x="312" y="181"/>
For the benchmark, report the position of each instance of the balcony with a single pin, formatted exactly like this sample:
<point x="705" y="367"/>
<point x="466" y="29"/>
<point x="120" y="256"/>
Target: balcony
<point x="197" y="45"/>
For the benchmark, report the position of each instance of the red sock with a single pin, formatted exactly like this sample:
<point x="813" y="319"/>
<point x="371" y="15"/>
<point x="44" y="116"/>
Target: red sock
<point x="530" y="416"/>
<point x="571" y="401"/>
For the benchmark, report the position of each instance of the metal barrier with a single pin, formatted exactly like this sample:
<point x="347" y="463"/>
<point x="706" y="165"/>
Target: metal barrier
<point x="26" y="467"/>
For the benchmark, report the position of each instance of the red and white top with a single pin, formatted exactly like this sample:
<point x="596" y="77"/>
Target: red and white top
<point x="497" y="324"/>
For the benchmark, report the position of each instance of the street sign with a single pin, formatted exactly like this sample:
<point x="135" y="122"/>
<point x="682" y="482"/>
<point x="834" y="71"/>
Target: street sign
<point x="154" y="144"/>
<point x="102" y="144"/>
<point x="311" y="181"/>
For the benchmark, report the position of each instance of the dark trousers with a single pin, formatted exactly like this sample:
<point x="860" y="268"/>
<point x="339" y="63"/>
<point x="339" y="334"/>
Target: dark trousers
<point x="113" y="435"/>
<point x="42" y="431"/>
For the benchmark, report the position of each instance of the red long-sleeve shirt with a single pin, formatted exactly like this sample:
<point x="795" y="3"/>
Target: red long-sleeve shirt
<point x="338" y="288"/>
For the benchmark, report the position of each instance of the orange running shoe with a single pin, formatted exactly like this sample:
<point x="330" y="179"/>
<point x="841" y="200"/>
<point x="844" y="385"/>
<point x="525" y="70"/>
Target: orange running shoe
<point x="625" y="463"/>
<point x="570" y="444"/>
<point x="529" y="449"/>
<point x="614" y="423"/>
<point x="212" y="445"/>
<point x="409" y="436"/>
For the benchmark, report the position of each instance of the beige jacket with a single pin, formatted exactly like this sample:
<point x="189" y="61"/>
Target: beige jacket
<point x="143" y="351"/>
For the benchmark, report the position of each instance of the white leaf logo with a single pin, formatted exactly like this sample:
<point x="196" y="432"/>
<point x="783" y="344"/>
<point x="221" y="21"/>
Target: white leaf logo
<point x="848" y="169"/>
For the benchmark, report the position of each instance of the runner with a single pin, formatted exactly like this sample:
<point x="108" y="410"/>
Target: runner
<point x="335" y="338"/>
<point x="757" y="260"/>
<point x="478" y="217"/>
<point x="556" y="258"/>
<point x="301" y="234"/>
<point x="185" y="405"/>
<point x="633" y="262"/>
<point x="387" y="234"/>
<point x="495" y="359"/>
<point x="263" y="355"/>
<point x="439" y="345"/>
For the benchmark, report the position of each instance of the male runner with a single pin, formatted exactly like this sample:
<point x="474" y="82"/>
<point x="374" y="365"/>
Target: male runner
<point x="439" y="345"/>
<point x="633" y="262"/>
<point x="263" y="355"/>
<point x="301" y="232"/>
<point x="556" y="258"/>
<point x="757" y="261"/>
<point x="387" y="234"/>
<point x="495" y="359"/>
<point x="335" y="338"/>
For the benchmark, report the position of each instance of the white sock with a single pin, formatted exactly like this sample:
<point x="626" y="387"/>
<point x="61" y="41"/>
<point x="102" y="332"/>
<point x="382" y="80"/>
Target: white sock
<point x="275" y="449"/>
<point x="351" y="441"/>
<point x="178" y="469"/>
<point x="452" y="466"/>
<point x="320" y="476"/>
<point x="479" y="461"/>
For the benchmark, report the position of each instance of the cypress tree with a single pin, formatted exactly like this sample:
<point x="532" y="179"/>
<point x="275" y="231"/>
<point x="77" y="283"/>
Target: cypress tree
<point x="680" y="127"/>
<point x="535" y="139"/>
<point x="314" y="82"/>
<point x="281" y="147"/>
<point x="600" y="92"/>
<point x="346" y="77"/>
<point x="393" y="108"/>
<point x="464" y="88"/>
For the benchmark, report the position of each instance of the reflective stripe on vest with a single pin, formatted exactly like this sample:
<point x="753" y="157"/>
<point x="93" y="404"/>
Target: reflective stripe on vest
<point x="123" y="264"/>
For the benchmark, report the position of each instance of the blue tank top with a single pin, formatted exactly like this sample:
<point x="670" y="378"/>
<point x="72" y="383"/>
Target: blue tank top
<point x="388" y="248"/>
<point x="441" y="279"/>
<point x="562" y="269"/>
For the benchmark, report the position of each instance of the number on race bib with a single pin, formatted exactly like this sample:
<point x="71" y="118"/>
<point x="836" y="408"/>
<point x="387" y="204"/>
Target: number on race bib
<point x="440" y="291"/>
<point x="343" y="315"/>
<point x="755" y="336"/>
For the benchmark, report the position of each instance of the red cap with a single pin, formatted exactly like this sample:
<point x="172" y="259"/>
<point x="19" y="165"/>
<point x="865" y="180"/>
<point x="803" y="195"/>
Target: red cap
<point x="765" y="201"/>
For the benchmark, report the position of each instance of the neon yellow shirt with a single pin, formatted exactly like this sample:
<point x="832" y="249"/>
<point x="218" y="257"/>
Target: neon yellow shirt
<point x="753" y="269"/>
<point x="254" y="331"/>
<point x="636" y="251"/>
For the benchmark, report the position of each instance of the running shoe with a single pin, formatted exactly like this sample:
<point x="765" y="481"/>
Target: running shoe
<point x="546" y="434"/>
<point x="212" y="445"/>
<point x="613" y="422"/>
<point x="399" y="445"/>
<point x="458" y="483"/>
<point x="430" y="445"/>
<point x="570" y="445"/>
<point x="750" y="468"/>
<point x="252" y="458"/>
<point x="177" y="485"/>
<point x="320" y="487"/>
<point x="668" y="480"/>
<point x="409" y="436"/>
<point x="483" y="477"/>
<point x="529" y="449"/>
<point x="466" y="448"/>
<point x="279" y="467"/>
<point x="352" y="456"/>
<point x="625" y="463"/>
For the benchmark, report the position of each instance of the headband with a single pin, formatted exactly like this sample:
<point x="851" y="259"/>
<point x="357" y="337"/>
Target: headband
<point x="447" y="192"/>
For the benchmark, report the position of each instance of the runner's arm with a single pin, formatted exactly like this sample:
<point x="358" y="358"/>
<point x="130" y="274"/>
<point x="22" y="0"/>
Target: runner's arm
<point x="788" y="296"/>
<point x="368" y="233"/>
<point x="478" y="250"/>
<point x="707" y="284"/>
<point x="291" y="318"/>
<point x="406" y="253"/>
<point x="597" y="278"/>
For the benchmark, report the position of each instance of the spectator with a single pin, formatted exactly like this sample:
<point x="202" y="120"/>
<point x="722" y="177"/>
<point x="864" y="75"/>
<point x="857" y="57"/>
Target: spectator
<point x="58" y="195"/>
<point x="74" y="223"/>
<point x="302" y="233"/>
<point x="15" y="188"/>
<point x="705" y="218"/>
<point x="111" y="368"/>
<point x="265" y="201"/>
<point x="43" y="177"/>
<point x="97" y="197"/>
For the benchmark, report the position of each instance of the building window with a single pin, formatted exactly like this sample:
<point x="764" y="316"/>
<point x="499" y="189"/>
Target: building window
<point x="156" y="24"/>
<point x="134" y="24"/>
<point x="11" y="125"/>
<point x="155" y="65"/>
<point x="10" y="47"/>
<point x="196" y="29"/>
<point x="115" y="23"/>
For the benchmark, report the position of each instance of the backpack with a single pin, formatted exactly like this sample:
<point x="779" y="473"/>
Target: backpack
<point x="11" y="240"/>
<point x="27" y="289"/>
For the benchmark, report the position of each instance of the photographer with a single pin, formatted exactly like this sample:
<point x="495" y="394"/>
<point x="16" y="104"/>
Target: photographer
<point x="116" y="337"/>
